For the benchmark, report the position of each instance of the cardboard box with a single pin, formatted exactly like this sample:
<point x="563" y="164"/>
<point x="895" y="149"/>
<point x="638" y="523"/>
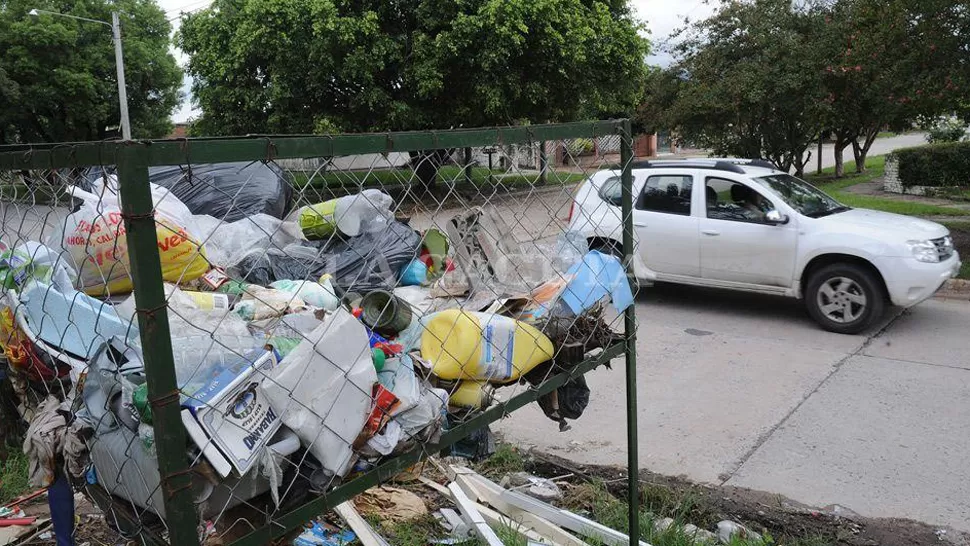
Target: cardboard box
<point x="230" y="408"/>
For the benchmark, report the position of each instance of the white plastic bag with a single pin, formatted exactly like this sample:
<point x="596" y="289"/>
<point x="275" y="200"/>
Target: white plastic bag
<point x="323" y="390"/>
<point x="227" y="242"/>
<point x="94" y="238"/>
<point x="318" y="294"/>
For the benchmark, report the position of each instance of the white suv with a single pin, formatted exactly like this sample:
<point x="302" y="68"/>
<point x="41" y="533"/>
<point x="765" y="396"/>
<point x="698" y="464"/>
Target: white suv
<point x="745" y="225"/>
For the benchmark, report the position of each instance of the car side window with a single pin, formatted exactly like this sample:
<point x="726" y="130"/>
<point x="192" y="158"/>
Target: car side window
<point x="611" y="190"/>
<point x="729" y="200"/>
<point x="668" y="193"/>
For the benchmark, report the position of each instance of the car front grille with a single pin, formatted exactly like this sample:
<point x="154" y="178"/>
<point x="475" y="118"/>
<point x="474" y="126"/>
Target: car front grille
<point x="944" y="247"/>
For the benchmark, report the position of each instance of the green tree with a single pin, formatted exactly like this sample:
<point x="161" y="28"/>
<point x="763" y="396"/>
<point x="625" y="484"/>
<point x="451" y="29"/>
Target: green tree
<point x="57" y="75"/>
<point x="892" y="62"/>
<point x="296" y="66"/>
<point x="746" y="83"/>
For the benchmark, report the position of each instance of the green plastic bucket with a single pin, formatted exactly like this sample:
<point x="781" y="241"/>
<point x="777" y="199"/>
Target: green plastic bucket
<point x="385" y="313"/>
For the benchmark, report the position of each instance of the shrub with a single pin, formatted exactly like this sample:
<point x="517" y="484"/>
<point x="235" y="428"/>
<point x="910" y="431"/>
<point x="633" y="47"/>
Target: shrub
<point x="934" y="165"/>
<point x="947" y="130"/>
<point x="579" y="146"/>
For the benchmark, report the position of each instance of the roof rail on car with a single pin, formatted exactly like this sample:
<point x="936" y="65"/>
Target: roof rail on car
<point x="729" y="164"/>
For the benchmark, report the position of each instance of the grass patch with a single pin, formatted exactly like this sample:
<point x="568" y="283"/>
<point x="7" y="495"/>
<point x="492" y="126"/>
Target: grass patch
<point x="421" y="531"/>
<point x="875" y="168"/>
<point x="13" y="475"/>
<point x="911" y="208"/>
<point x="594" y="500"/>
<point x="505" y="460"/>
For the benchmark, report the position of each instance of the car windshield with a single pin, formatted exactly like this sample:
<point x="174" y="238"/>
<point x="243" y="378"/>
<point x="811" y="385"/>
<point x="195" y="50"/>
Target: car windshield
<point x="801" y="196"/>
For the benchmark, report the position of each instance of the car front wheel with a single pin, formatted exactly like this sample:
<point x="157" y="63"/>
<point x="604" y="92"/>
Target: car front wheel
<point x="845" y="298"/>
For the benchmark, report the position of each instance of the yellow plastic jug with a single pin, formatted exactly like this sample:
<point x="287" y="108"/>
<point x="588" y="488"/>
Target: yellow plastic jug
<point x="470" y="394"/>
<point x="482" y="346"/>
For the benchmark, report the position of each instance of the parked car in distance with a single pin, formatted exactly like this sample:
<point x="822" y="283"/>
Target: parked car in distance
<point x="744" y="225"/>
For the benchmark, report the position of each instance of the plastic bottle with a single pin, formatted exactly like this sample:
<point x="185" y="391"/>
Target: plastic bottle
<point x="481" y="346"/>
<point x="379" y="358"/>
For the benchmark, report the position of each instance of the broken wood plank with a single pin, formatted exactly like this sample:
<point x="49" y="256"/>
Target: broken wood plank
<point x="365" y="533"/>
<point x="558" y="516"/>
<point x="543" y="527"/>
<point x="494" y="518"/>
<point x="473" y="516"/>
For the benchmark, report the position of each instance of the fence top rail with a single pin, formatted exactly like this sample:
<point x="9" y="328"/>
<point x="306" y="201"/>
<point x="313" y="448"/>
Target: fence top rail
<point x="269" y="147"/>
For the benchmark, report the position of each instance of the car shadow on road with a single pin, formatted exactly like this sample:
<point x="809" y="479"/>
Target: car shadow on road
<point x="759" y="310"/>
<point x="719" y="300"/>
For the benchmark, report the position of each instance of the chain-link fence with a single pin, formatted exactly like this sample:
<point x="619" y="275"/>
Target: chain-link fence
<point x="221" y="339"/>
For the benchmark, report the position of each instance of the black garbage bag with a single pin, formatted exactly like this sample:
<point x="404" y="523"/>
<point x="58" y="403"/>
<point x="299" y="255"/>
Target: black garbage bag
<point x="367" y="262"/>
<point x="227" y="191"/>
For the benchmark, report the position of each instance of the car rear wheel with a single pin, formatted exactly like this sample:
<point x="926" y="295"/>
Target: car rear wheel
<point x="845" y="298"/>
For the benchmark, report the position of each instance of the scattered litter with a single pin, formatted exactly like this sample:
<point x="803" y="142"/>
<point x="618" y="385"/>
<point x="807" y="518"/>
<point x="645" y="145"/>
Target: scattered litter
<point x="541" y="488"/>
<point x="390" y="504"/>
<point x="453" y="523"/>
<point x="317" y="534"/>
<point x="365" y="533"/>
<point x="728" y="530"/>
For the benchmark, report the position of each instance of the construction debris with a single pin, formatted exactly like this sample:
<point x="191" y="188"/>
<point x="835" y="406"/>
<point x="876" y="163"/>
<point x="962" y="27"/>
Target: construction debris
<point x="543" y="489"/>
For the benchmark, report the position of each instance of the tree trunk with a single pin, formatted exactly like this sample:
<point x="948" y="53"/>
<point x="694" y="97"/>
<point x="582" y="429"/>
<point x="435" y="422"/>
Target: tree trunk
<point x="861" y="151"/>
<point x="800" y="164"/>
<point x="426" y="164"/>
<point x="467" y="164"/>
<point x="818" y="157"/>
<point x="840" y="145"/>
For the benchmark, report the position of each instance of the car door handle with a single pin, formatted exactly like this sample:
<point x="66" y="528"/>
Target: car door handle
<point x="711" y="232"/>
<point x="640" y="224"/>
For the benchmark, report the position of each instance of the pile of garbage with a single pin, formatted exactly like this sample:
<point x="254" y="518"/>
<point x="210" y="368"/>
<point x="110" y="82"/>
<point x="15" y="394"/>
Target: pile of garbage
<point x="323" y="339"/>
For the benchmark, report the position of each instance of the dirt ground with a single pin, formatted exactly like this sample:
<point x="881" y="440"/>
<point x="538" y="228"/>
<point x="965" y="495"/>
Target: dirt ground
<point x="784" y="519"/>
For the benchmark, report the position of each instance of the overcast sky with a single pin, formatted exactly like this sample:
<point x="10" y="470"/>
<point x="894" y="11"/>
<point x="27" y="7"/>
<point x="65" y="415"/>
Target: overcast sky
<point x="660" y="16"/>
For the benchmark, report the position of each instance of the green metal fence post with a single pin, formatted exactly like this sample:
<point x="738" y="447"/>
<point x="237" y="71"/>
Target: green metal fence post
<point x="630" y="331"/>
<point x="156" y="341"/>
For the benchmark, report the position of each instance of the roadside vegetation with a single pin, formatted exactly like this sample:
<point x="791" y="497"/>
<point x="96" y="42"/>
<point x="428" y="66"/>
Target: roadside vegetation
<point x="875" y="169"/>
<point x="13" y="475"/>
<point x="595" y="498"/>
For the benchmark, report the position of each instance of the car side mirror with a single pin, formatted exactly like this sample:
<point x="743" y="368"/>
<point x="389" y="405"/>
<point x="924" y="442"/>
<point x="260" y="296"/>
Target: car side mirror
<point x="776" y="218"/>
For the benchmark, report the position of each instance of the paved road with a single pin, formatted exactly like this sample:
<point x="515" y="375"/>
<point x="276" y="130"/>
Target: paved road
<point x="880" y="147"/>
<point x="745" y="390"/>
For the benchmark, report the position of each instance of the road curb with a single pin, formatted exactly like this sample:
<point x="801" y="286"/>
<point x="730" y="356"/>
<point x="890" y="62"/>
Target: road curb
<point x="955" y="289"/>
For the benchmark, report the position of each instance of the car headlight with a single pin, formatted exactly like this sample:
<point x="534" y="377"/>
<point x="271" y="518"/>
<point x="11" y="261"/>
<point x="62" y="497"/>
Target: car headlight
<point x="924" y="251"/>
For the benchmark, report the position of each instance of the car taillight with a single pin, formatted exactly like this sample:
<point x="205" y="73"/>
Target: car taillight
<point x="572" y="206"/>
